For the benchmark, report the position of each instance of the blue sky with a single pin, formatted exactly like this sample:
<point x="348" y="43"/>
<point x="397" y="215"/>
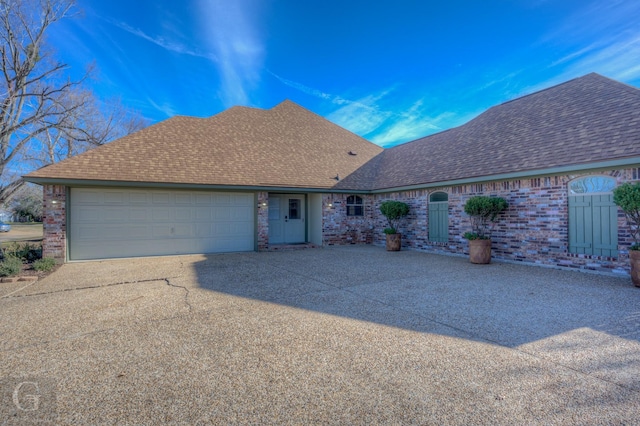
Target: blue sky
<point x="390" y="71"/>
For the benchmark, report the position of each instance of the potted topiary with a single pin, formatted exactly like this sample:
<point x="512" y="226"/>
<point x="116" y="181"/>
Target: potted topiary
<point x="627" y="197"/>
<point x="483" y="212"/>
<point x="394" y="211"/>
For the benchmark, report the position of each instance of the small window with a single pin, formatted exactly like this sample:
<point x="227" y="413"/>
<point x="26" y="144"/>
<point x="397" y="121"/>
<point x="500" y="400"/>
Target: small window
<point x="354" y="206"/>
<point x="294" y="208"/>
<point x="438" y="197"/>
<point x="591" y="185"/>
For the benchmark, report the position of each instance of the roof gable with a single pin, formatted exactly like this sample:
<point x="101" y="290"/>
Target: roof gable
<point x="286" y="146"/>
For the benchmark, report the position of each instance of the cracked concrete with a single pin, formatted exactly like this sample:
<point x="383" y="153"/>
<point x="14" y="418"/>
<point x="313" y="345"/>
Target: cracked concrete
<point x="337" y="335"/>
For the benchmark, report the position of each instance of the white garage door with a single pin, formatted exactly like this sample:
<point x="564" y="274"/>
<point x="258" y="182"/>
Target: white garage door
<point x="109" y="223"/>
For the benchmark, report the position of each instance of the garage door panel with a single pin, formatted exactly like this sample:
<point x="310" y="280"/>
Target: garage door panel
<point x="203" y="230"/>
<point x="183" y="214"/>
<point x="222" y="200"/>
<point x="203" y="199"/>
<point x="161" y="213"/>
<point x="89" y="214"/>
<point x="241" y="213"/>
<point x="183" y="198"/>
<point x="160" y="198"/>
<point x="138" y="197"/>
<point x="202" y="213"/>
<point x="114" y="198"/>
<point x="112" y="214"/>
<point x="87" y="197"/>
<point x="129" y="223"/>
<point x="138" y="214"/>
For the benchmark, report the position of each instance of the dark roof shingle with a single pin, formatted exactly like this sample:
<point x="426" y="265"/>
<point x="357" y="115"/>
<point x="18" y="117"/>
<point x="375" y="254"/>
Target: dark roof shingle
<point x="585" y="120"/>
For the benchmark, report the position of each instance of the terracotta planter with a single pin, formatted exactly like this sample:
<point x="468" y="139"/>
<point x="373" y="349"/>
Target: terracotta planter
<point x="634" y="259"/>
<point x="480" y="251"/>
<point x="394" y="242"/>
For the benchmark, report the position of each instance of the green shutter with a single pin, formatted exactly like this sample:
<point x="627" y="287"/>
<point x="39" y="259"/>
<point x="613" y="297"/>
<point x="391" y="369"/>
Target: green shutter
<point x="593" y="225"/>
<point x="439" y="222"/>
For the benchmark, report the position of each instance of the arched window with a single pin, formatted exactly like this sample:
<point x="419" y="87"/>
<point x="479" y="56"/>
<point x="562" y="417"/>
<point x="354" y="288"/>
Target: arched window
<point x="439" y="217"/>
<point x="354" y="206"/>
<point x="593" y="217"/>
<point x="591" y="185"/>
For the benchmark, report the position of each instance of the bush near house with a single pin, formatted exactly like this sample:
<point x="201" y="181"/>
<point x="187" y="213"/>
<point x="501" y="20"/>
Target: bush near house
<point x="394" y="211"/>
<point x="10" y="266"/>
<point x="26" y="251"/>
<point x="627" y="197"/>
<point x="44" y="265"/>
<point x="483" y="212"/>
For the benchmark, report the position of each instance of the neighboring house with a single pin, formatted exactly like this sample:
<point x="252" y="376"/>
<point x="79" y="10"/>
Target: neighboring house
<point x="248" y="179"/>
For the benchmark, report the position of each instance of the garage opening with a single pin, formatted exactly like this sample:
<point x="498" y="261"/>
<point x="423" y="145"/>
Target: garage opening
<point x="110" y="223"/>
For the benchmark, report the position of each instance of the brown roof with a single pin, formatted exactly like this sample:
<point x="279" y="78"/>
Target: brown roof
<point x="585" y="120"/>
<point x="286" y="146"/>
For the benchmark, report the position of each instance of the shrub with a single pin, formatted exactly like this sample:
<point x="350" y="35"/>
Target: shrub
<point x="394" y="211"/>
<point x="24" y="251"/>
<point x="627" y="197"/>
<point x="44" y="265"/>
<point x="483" y="211"/>
<point x="10" y="266"/>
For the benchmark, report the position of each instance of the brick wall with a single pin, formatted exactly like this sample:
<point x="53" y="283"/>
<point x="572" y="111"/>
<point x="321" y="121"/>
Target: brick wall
<point x="54" y="220"/>
<point x="534" y="229"/>
<point x="340" y="229"/>
<point x="263" y="221"/>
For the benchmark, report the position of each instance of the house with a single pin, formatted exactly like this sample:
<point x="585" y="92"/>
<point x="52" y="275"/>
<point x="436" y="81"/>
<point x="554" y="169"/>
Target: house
<point x="248" y="179"/>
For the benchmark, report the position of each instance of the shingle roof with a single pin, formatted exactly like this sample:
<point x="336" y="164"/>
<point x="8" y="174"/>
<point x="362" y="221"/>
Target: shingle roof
<point x="286" y="146"/>
<point x="585" y="120"/>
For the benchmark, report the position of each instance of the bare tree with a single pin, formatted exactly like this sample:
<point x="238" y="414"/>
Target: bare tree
<point x="92" y="124"/>
<point x="27" y="204"/>
<point x="32" y="85"/>
<point x="44" y="116"/>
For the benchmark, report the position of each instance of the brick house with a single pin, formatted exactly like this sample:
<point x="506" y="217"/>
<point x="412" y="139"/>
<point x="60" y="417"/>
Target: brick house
<point x="250" y="179"/>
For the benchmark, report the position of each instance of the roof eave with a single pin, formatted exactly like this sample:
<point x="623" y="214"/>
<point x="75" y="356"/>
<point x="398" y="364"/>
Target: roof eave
<point x="561" y="170"/>
<point x="185" y="186"/>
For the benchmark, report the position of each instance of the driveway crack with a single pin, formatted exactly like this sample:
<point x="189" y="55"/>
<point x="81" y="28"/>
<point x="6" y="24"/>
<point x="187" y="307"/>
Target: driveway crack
<point x="186" y="292"/>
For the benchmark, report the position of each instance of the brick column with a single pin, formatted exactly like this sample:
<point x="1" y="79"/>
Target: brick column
<point x="54" y="221"/>
<point x="263" y="221"/>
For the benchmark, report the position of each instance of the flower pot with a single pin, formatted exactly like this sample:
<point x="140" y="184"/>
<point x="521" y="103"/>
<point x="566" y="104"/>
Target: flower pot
<point x="634" y="259"/>
<point x="480" y="251"/>
<point x="394" y="242"/>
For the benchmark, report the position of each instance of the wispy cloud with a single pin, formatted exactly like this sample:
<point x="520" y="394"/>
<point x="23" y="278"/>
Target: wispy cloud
<point x="230" y="30"/>
<point x="617" y="49"/>
<point x="368" y="117"/>
<point x="164" y="42"/>
<point x="410" y="124"/>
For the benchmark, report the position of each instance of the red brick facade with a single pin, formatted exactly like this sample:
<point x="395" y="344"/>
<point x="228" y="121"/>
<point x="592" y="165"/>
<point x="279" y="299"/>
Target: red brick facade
<point x="54" y="242"/>
<point x="533" y="230"/>
<point x="263" y="221"/>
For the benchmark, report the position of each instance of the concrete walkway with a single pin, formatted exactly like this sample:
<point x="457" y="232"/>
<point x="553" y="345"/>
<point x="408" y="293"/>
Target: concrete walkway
<point x="345" y="335"/>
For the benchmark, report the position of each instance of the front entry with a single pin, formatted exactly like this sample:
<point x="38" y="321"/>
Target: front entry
<point x="287" y="219"/>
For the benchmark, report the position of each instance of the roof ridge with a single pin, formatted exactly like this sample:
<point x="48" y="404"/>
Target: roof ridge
<point x="555" y="86"/>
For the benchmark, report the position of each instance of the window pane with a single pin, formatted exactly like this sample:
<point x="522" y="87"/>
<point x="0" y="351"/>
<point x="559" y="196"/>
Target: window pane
<point x="294" y="208"/>
<point x="439" y="196"/>
<point x="592" y="184"/>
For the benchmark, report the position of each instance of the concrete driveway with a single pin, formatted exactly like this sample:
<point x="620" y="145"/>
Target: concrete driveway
<point x="345" y="335"/>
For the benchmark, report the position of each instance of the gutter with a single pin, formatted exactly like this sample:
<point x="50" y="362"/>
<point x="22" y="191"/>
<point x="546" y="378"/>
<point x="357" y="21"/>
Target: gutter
<point x="552" y="171"/>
